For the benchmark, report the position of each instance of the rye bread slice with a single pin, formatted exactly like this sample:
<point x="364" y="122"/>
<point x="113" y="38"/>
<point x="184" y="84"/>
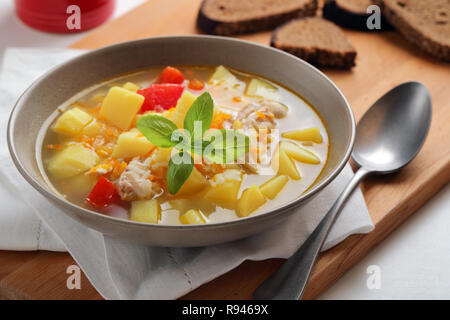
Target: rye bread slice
<point x="352" y="14"/>
<point x="229" y="17"/>
<point x="426" y="24"/>
<point x="316" y="40"/>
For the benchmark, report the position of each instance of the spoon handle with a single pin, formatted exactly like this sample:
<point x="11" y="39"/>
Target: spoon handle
<point x="289" y="281"/>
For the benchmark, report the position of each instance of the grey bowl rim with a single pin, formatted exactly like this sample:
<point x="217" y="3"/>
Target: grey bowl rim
<point x="251" y="218"/>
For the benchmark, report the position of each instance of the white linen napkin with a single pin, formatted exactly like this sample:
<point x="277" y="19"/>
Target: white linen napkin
<point x="123" y="270"/>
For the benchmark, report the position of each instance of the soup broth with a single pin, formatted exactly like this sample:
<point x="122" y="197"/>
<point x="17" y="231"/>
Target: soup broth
<point x="98" y="153"/>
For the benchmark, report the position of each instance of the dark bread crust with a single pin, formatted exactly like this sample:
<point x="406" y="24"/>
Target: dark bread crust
<point x="318" y="57"/>
<point x="212" y="26"/>
<point x="350" y="19"/>
<point x="323" y="58"/>
<point x="413" y="33"/>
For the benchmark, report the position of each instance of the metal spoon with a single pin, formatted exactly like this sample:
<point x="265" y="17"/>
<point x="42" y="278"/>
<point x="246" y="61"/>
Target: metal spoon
<point x="388" y="137"/>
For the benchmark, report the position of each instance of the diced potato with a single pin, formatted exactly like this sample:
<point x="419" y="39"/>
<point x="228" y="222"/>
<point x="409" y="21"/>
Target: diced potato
<point x="192" y="217"/>
<point x="310" y="134"/>
<point x="251" y="199"/>
<point x="80" y="185"/>
<point x="224" y="192"/>
<point x="177" y="118"/>
<point x="224" y="188"/>
<point x="283" y="164"/>
<point x="72" y="121"/>
<point x="162" y="155"/>
<point x="72" y="160"/>
<point x="298" y="153"/>
<point x="195" y="183"/>
<point x="222" y="73"/>
<point x="183" y="105"/>
<point x="131" y="144"/>
<point x="287" y="166"/>
<point x="271" y="188"/>
<point x="120" y="107"/>
<point x="185" y="102"/>
<point x="92" y="129"/>
<point x="261" y="89"/>
<point x="148" y="211"/>
<point x="133" y="87"/>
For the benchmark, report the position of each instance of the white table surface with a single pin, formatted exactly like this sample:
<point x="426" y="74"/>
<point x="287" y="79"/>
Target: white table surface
<point x="412" y="263"/>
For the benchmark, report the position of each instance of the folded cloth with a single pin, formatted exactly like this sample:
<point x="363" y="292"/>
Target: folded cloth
<point x="122" y="270"/>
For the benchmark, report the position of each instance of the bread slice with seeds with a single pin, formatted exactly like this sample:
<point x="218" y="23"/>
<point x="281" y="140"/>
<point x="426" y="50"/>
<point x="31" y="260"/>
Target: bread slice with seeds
<point x="352" y="14"/>
<point x="316" y="40"/>
<point x="229" y="17"/>
<point x="426" y="24"/>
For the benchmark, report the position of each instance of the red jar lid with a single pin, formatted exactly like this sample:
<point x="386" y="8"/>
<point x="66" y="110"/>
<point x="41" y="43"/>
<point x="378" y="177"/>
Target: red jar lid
<point x="63" y="16"/>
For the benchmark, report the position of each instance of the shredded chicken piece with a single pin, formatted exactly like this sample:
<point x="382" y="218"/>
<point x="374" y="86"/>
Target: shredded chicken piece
<point x="257" y="121"/>
<point x="256" y="116"/>
<point x="134" y="184"/>
<point x="277" y="109"/>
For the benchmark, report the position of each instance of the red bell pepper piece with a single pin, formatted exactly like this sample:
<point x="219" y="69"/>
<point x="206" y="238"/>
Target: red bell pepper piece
<point x="171" y="75"/>
<point x="103" y="194"/>
<point x="160" y="97"/>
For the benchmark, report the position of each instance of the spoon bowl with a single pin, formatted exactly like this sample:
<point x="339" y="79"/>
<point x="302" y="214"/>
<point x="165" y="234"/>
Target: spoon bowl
<point x="392" y="131"/>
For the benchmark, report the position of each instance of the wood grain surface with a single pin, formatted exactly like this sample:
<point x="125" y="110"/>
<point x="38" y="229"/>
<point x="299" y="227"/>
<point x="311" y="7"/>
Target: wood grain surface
<point x="384" y="61"/>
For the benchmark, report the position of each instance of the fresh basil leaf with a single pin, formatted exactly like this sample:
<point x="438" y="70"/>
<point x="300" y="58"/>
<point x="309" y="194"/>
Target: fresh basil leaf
<point x="157" y="129"/>
<point x="182" y="140"/>
<point x="178" y="171"/>
<point x="199" y="145"/>
<point x="200" y="113"/>
<point x="225" y="146"/>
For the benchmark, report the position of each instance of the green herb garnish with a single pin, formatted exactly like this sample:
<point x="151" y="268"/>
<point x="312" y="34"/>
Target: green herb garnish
<point x="201" y="112"/>
<point x="157" y="129"/>
<point x="179" y="170"/>
<point x="218" y="146"/>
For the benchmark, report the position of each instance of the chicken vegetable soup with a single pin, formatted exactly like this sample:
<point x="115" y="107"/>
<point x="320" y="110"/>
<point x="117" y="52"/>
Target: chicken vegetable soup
<point x="185" y="145"/>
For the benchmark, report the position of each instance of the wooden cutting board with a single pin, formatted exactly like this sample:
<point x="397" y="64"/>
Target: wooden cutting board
<point x="384" y="61"/>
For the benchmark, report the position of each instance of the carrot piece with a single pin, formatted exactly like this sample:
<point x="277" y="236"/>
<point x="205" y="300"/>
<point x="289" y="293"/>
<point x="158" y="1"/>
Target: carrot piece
<point x="198" y="166"/>
<point x="218" y="119"/>
<point x="196" y="84"/>
<point x="260" y="115"/>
